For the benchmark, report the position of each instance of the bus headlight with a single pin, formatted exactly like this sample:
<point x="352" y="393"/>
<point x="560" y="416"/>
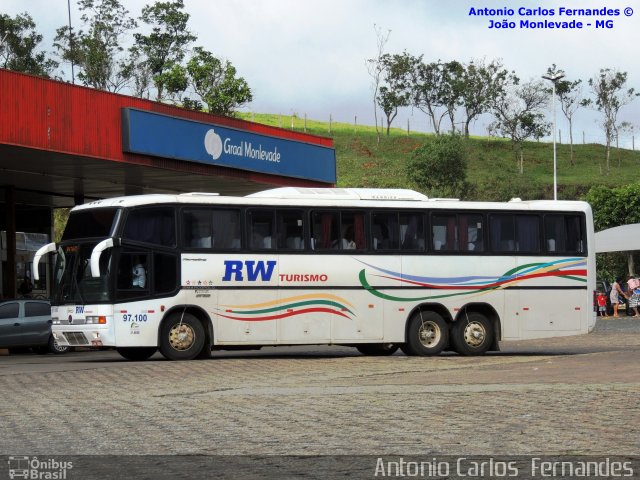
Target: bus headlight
<point x="55" y="321"/>
<point x="99" y="320"/>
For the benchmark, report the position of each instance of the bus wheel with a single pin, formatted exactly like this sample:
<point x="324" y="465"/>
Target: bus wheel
<point x="181" y="337"/>
<point x="136" y="354"/>
<point x="427" y="334"/>
<point x="472" y="334"/>
<point x="377" y="349"/>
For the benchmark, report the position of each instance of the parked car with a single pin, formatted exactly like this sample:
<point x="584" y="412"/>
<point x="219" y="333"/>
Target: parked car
<point x="27" y="323"/>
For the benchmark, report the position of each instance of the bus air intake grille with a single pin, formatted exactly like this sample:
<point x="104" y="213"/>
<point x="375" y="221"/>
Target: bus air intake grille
<point x="76" y="338"/>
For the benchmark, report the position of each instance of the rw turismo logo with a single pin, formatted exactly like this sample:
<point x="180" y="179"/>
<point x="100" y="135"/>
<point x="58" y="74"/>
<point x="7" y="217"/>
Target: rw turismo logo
<point x="213" y="144"/>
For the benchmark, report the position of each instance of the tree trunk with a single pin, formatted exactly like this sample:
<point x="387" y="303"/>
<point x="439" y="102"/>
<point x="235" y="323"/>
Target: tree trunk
<point x="521" y="162"/>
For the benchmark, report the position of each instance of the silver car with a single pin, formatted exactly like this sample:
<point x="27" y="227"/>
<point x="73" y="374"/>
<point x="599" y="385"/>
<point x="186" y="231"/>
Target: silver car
<point x="27" y="323"/>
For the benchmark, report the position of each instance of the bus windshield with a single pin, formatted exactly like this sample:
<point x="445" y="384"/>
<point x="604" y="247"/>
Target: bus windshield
<point x="92" y="223"/>
<point x="73" y="283"/>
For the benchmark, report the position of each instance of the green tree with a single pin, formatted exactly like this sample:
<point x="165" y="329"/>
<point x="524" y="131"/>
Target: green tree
<point x="396" y="92"/>
<point x="482" y="85"/>
<point x="166" y="45"/>
<point x="439" y="167"/>
<point x="429" y="81"/>
<point x="98" y="52"/>
<point x="215" y="81"/>
<point x="611" y="94"/>
<point x="519" y="115"/>
<point x="175" y="81"/>
<point x="19" y="42"/>
<point x="452" y="89"/>
<point x="613" y="207"/>
<point x="436" y="90"/>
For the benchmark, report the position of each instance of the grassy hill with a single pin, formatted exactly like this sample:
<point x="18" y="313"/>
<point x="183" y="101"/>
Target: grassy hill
<point x="492" y="163"/>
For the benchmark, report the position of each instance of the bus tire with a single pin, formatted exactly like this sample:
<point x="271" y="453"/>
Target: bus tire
<point x="181" y="337"/>
<point x="136" y="354"/>
<point x="377" y="349"/>
<point x="427" y="334"/>
<point x="472" y="334"/>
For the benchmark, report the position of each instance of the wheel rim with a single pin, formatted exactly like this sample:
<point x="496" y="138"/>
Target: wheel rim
<point x="181" y="337"/>
<point x="59" y="348"/>
<point x="429" y="334"/>
<point x="474" y="334"/>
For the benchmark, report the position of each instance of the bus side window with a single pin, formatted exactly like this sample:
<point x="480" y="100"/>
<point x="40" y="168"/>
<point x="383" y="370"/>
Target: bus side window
<point x="411" y="231"/>
<point x="290" y="229"/>
<point x="154" y="225"/>
<point x="502" y="233"/>
<point x="197" y="228"/>
<point x="352" y="228"/>
<point x="444" y="232"/>
<point x="261" y="229"/>
<point x="528" y="233"/>
<point x="324" y="230"/>
<point x="226" y="229"/>
<point x="385" y="231"/>
<point x="563" y="233"/>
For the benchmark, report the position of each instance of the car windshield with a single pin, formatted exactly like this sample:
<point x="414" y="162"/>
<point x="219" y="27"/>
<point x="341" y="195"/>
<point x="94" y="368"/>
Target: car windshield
<point x="73" y="283"/>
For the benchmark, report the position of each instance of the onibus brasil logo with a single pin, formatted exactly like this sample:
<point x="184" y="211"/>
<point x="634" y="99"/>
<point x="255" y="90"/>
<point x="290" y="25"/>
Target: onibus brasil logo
<point x="34" y="468"/>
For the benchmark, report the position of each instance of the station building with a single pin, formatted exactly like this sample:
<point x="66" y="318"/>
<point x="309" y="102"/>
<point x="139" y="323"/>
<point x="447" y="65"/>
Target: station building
<point x="62" y="145"/>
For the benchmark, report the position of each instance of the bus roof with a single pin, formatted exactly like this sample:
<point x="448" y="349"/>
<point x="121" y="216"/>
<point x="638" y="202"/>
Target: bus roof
<point x="340" y="197"/>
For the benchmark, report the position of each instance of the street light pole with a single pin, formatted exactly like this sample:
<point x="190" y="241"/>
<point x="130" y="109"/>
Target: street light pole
<point x="554" y="78"/>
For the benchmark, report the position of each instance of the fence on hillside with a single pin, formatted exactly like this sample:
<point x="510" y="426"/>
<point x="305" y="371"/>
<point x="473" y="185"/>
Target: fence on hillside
<point x="422" y="124"/>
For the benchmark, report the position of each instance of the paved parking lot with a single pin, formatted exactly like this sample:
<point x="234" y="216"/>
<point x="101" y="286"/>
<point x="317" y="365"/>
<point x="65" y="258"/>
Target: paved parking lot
<point x="575" y="395"/>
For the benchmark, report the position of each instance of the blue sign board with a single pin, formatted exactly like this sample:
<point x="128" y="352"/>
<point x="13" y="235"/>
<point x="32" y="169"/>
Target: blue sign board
<point x="160" y="135"/>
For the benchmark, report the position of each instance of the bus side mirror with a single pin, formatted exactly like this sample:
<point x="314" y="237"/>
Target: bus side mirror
<point x="42" y="251"/>
<point x="97" y="251"/>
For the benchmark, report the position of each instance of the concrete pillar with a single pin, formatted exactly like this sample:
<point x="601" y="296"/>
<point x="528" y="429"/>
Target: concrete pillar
<point x="10" y="287"/>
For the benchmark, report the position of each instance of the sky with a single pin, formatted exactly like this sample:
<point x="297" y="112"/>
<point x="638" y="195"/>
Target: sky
<point x="308" y="56"/>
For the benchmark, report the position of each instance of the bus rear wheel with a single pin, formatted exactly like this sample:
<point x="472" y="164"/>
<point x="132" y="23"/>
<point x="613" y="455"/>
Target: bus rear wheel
<point x="472" y="334"/>
<point x="181" y="337"/>
<point x="136" y="354"/>
<point x="427" y="334"/>
<point x="377" y="349"/>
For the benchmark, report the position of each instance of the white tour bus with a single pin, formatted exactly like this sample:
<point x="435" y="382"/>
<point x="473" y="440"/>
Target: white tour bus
<point x="373" y="269"/>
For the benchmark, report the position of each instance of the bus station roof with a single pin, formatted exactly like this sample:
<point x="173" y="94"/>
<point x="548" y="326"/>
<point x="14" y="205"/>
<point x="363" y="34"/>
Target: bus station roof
<point x="63" y="144"/>
<point x="618" y="239"/>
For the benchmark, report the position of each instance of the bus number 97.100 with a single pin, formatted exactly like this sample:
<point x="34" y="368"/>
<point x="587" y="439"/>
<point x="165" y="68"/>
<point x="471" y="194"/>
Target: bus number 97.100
<point x="127" y="317"/>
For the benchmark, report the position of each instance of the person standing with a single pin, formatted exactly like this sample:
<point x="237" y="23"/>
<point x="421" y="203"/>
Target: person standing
<point x="602" y="304"/>
<point x="601" y="298"/>
<point x="634" y="294"/>
<point x="614" y="296"/>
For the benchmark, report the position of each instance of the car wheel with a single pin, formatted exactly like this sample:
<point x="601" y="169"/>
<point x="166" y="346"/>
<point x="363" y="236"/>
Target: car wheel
<point x="55" y="348"/>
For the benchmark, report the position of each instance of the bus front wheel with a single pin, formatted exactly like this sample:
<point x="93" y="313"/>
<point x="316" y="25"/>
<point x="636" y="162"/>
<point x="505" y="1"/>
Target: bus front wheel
<point x="136" y="354"/>
<point x="181" y="337"/>
<point x="427" y="334"/>
<point x="472" y="334"/>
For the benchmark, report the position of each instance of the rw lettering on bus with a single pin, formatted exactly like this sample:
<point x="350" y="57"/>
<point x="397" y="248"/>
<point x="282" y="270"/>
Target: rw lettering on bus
<point x="255" y="270"/>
